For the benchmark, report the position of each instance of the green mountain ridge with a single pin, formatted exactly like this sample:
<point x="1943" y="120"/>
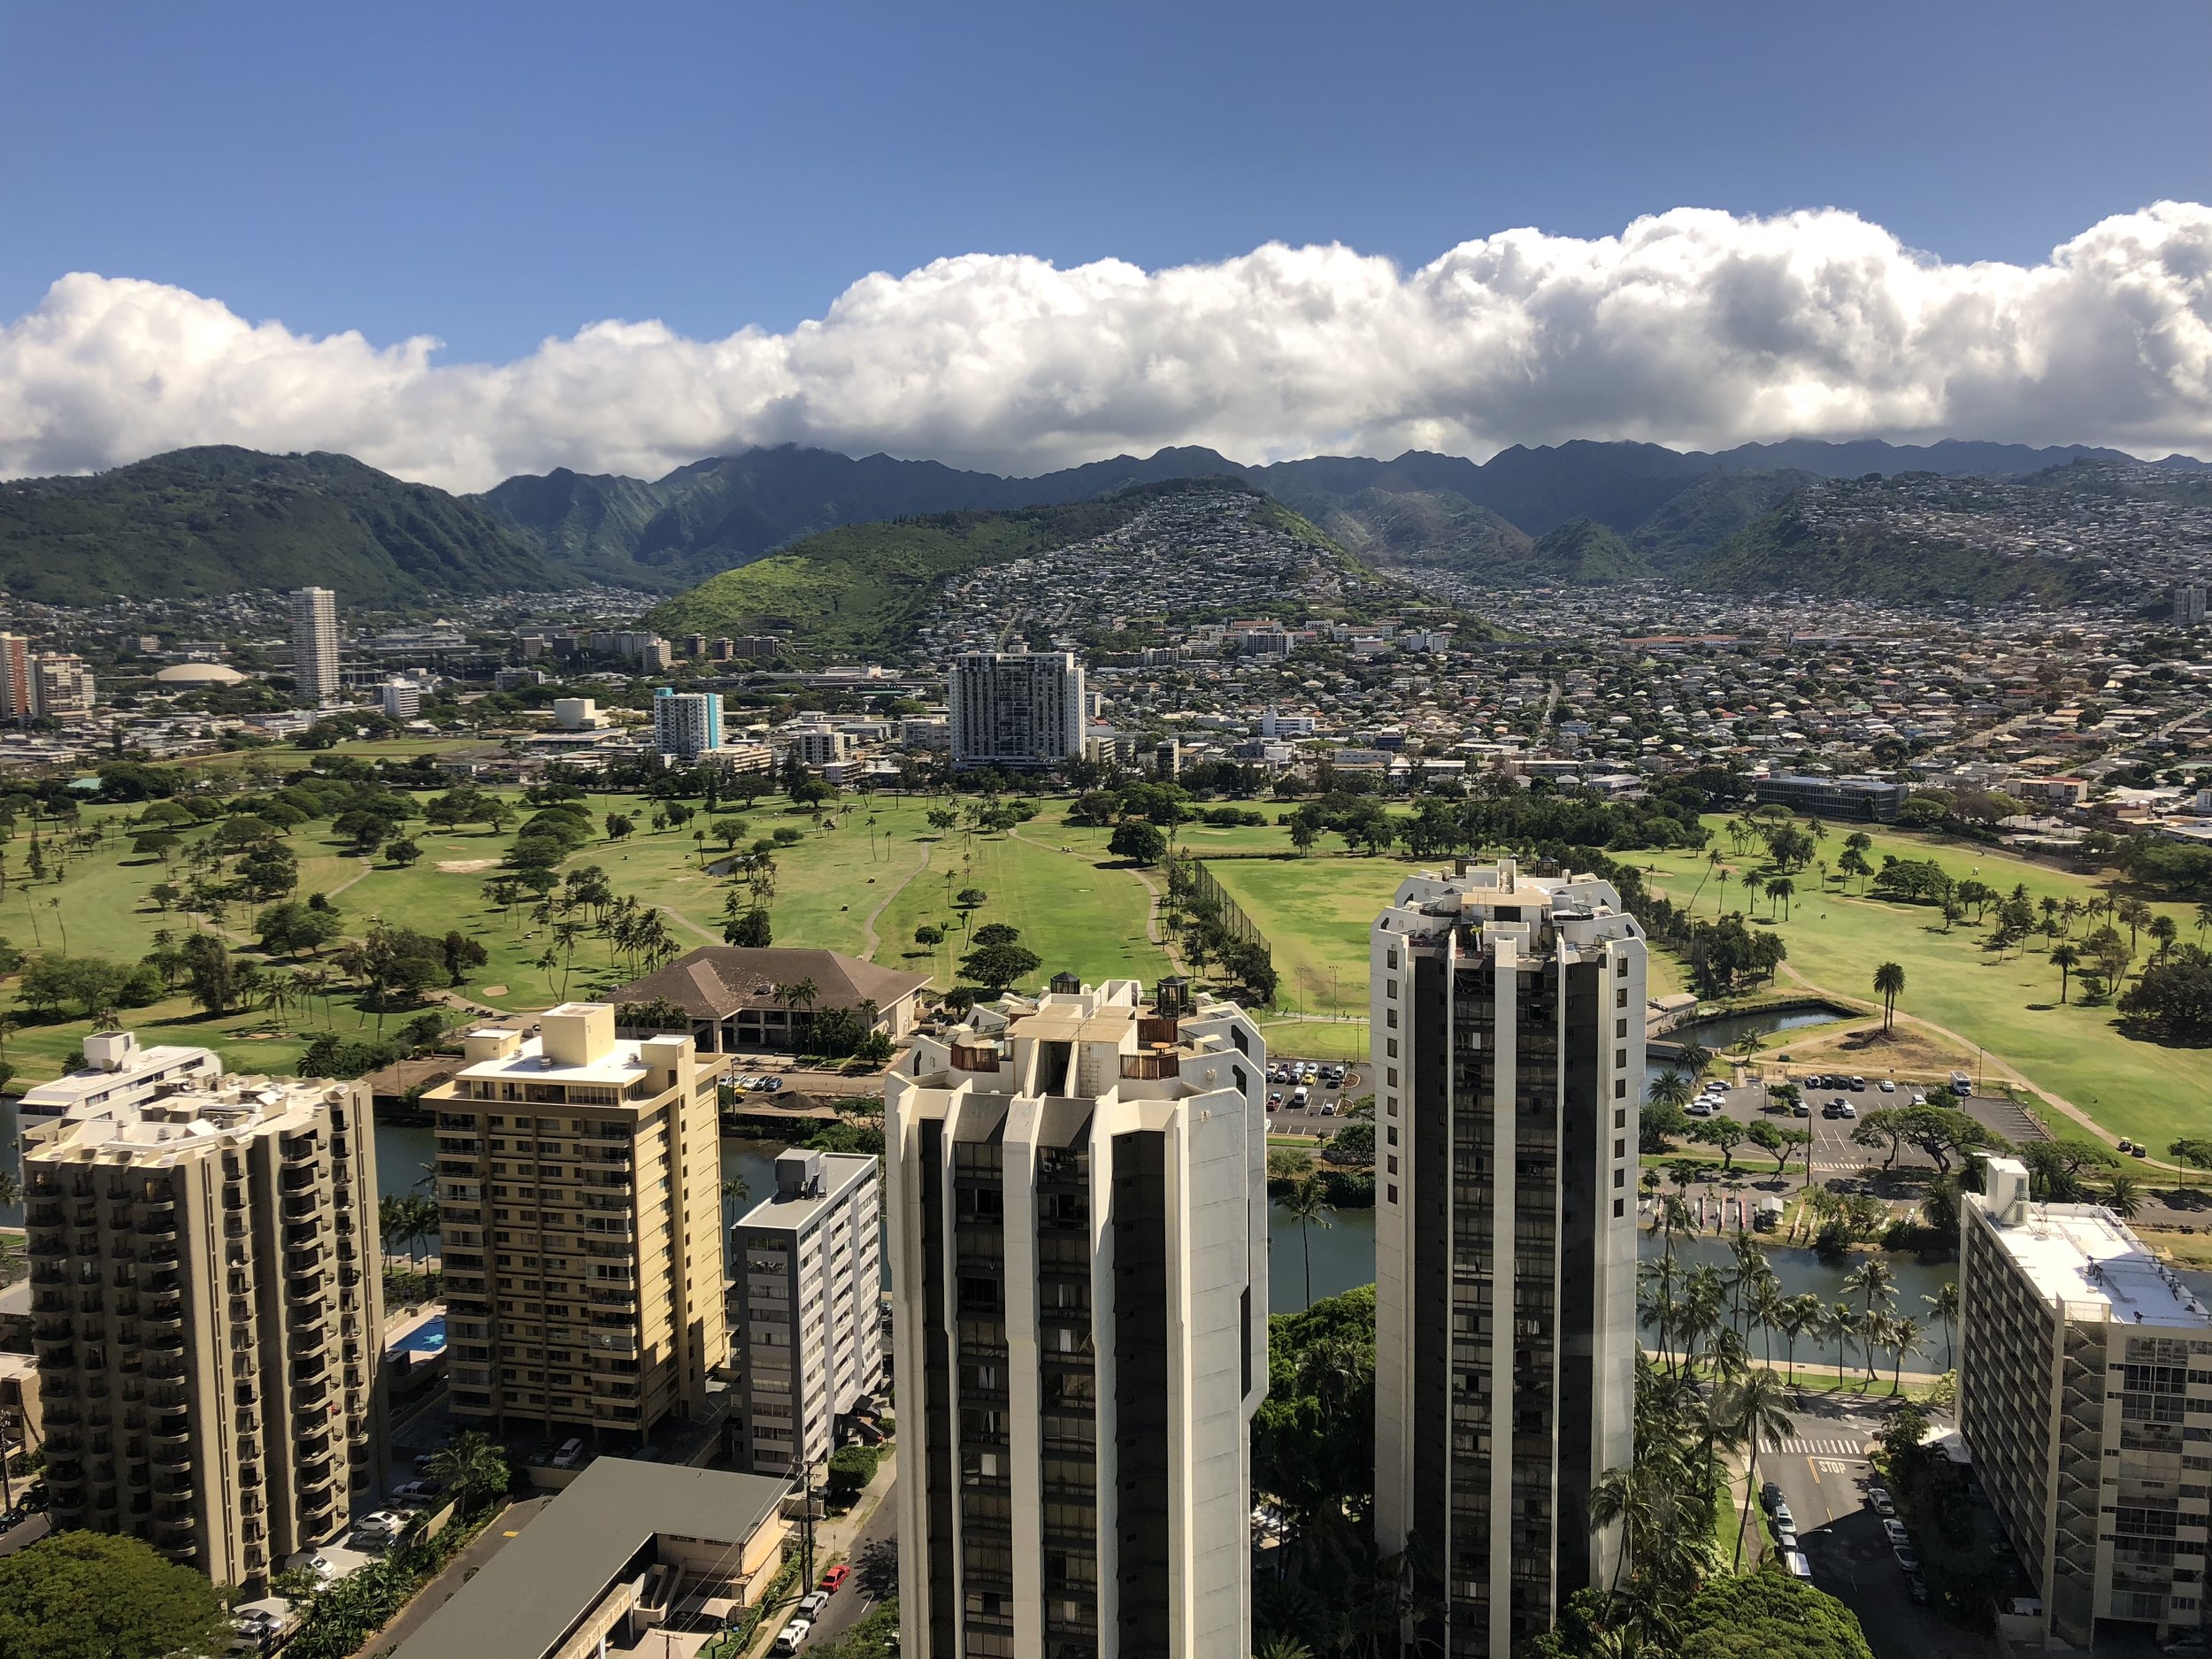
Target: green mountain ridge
<point x="1788" y="550"/>
<point x="218" y="519"/>
<point x="1586" y="554"/>
<point x="864" y="588"/>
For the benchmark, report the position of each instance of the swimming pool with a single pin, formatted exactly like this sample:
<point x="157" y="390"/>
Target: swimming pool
<point x="426" y="1338"/>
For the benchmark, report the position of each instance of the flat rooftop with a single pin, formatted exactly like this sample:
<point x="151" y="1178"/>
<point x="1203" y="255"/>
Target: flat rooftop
<point x="2084" y="1253"/>
<point x="840" y="1171"/>
<point x="525" y="1598"/>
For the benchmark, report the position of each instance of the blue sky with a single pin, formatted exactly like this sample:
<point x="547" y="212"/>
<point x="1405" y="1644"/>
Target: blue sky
<point x="495" y="174"/>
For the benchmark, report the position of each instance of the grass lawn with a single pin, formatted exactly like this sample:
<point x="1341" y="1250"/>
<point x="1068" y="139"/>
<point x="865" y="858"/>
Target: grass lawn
<point x="2009" y="1007"/>
<point x="1344" y="1040"/>
<point x="1075" y="912"/>
<point x="1317" y="912"/>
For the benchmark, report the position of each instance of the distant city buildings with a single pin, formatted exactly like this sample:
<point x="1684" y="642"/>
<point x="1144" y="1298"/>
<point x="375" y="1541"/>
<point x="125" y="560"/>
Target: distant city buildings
<point x="1507" y="1016"/>
<point x="18" y="678"/>
<point x="208" y="1312"/>
<point x="1016" y="709"/>
<point x="34" y="684"/>
<point x="1079" y="1224"/>
<point x="2085" y="1394"/>
<point x="315" y="672"/>
<point x="686" y="724"/>
<point x="399" y="699"/>
<point x="2189" y="605"/>
<point x="808" y="1281"/>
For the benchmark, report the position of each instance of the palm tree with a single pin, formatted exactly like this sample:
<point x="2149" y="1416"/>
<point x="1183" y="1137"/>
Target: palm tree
<point x="2204" y="919"/>
<point x="1905" y="1339"/>
<point x="475" y="1465"/>
<point x="1945" y="1303"/>
<point x="1780" y="890"/>
<point x="2065" y="958"/>
<point x="2123" y="1196"/>
<point x="1307" y="1205"/>
<point x="735" y="1190"/>
<point x="2163" y="931"/>
<point x="1754" y="1415"/>
<point x="1889" y="984"/>
<point x="1282" y="1647"/>
<point x="2136" y="914"/>
<point x="1799" y="1314"/>
<point x="1694" y="1057"/>
<point x="1671" y="1088"/>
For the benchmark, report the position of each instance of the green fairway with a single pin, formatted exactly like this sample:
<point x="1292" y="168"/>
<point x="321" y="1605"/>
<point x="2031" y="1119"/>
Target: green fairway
<point x="1316" y="913"/>
<point x="1075" y="913"/>
<point x="1344" y="1040"/>
<point x="2008" y="1005"/>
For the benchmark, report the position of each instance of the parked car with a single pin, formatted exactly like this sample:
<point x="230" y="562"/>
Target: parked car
<point x="423" y="1492"/>
<point x="1887" y="1087"/>
<point x="791" y="1635"/>
<point x="1917" y="1587"/>
<point x="810" y="1605"/>
<point x="1782" y="1516"/>
<point x="1858" y="1082"/>
<point x="2140" y="1151"/>
<point x="1877" y="1499"/>
<point x="772" y="1085"/>
<point x="1328" y="1108"/>
<point x="1849" y="1110"/>
<point x="1894" y="1530"/>
<point x="1794" y="1561"/>
<point x="1274" y="1098"/>
<point x="1770" y="1494"/>
<point x="1700" y="1108"/>
<point x="1920" y="1097"/>
<point x="1801" y="1111"/>
<point x="834" y="1579"/>
<point x="1906" y="1558"/>
<point x="1299" y="1097"/>
<point x="570" y="1450"/>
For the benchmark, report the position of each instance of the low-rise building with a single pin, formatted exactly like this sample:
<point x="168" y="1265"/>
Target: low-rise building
<point x="625" y="1547"/>
<point x="743" y="1000"/>
<point x="2084" y="1384"/>
<point x="121" y="1072"/>
<point x="1865" y="799"/>
<point x="808" y="1283"/>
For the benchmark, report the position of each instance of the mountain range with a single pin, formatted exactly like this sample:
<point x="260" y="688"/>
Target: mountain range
<point x="216" y="519"/>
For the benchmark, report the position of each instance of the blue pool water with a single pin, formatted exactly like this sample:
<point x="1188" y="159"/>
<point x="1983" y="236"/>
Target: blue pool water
<point x="425" y="1338"/>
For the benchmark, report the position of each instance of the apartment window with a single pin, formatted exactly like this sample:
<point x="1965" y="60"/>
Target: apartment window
<point x="1620" y="1178"/>
<point x="1390" y="958"/>
<point x="1390" y="1076"/>
<point x="1393" y="1133"/>
<point x="1393" y="1191"/>
<point x="1394" y="1167"/>
<point x="1620" y="1090"/>
<point x="1390" y="1104"/>
<point x="1621" y="967"/>
<point x="1620" y="1120"/>
<point x="1390" y="1047"/>
<point x="1616" y="1209"/>
<point x="1620" y="1059"/>
<point x="1620" y="1028"/>
<point x="1620" y="997"/>
<point x="1390" y="989"/>
<point x="1390" y="1019"/>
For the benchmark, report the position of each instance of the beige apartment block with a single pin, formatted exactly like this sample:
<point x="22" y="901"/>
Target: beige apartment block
<point x="579" y="1198"/>
<point x="207" y="1313"/>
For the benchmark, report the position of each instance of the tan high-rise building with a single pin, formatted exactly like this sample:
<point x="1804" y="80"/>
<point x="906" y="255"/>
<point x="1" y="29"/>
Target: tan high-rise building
<point x="208" y="1316"/>
<point x="66" y="687"/>
<point x="18" y="678"/>
<point x="579" y="1197"/>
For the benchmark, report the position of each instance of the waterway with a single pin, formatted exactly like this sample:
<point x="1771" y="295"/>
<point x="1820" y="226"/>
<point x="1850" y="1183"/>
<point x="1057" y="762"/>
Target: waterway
<point x="1722" y="1030"/>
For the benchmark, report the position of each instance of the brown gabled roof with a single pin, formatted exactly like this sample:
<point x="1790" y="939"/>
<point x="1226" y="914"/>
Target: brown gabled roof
<point x="715" y="981"/>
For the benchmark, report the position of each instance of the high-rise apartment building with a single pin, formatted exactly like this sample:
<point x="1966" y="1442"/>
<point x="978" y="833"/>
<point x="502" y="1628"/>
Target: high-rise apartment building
<point x="686" y="724"/>
<point x="580" y="1203"/>
<point x="18" y="678"/>
<point x="1078" y="1227"/>
<point x="314" y="644"/>
<point x="208" y="1312"/>
<point x="1508" y="1022"/>
<point x="2085" y="1374"/>
<point x="66" y="687"/>
<point x="2189" y="600"/>
<point x="809" y="1275"/>
<point x="1020" y="708"/>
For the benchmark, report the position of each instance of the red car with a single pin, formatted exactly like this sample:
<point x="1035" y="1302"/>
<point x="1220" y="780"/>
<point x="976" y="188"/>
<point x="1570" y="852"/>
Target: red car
<point x="836" y="1576"/>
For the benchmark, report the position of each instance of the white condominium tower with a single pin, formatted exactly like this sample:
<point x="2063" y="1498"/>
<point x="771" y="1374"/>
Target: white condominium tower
<point x="1021" y="709"/>
<point x="804" y="1307"/>
<point x="208" y="1314"/>
<point x="1508" y="1029"/>
<point x="2085" y="1397"/>
<point x="1079" y="1240"/>
<point x="314" y="644"/>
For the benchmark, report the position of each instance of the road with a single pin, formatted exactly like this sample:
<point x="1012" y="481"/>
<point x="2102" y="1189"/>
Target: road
<point x="1823" y="1474"/>
<point x="875" y="1563"/>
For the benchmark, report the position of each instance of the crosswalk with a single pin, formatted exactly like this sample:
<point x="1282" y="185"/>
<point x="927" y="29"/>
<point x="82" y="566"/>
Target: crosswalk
<point x="1820" y="1448"/>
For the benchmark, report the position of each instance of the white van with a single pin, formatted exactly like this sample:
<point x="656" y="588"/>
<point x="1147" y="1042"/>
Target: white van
<point x="1798" y="1566"/>
<point x="1299" y="1097"/>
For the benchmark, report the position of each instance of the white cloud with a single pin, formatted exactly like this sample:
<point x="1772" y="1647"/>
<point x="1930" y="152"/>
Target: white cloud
<point x="1693" y="328"/>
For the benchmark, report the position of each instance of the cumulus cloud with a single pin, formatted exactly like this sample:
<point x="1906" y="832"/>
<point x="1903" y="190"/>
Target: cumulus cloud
<point x="1694" y="328"/>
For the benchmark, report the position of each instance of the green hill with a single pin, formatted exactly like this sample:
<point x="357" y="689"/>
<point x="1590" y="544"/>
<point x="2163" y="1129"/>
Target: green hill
<point x="218" y="519"/>
<point x="1585" y="553"/>
<point x="1705" y="515"/>
<point x="1426" y="527"/>
<point x="1797" y="548"/>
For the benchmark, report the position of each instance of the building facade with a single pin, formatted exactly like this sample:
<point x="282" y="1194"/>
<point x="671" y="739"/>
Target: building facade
<point x="686" y="724"/>
<point x="1018" y="708"/>
<point x="208" y="1312"/>
<point x="65" y="688"/>
<point x="1079" y="1226"/>
<point x="580" y="1200"/>
<point x="315" y="676"/>
<point x="18" y="678"/>
<point x="808" y="1281"/>
<point x="1853" y="800"/>
<point x="1508" y="1022"/>
<point x="2084" y="1377"/>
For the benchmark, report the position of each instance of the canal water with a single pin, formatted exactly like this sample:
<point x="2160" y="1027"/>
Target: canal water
<point x="1721" y="1030"/>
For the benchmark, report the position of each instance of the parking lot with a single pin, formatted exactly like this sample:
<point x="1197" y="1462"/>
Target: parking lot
<point x="1326" y="1094"/>
<point x="1823" y="1474"/>
<point x="1823" y="1098"/>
